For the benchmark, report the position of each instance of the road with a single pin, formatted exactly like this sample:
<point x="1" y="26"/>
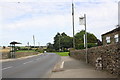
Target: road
<point x="34" y="67"/>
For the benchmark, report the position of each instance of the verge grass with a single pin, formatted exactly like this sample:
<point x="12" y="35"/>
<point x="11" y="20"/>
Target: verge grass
<point x="26" y="51"/>
<point x="62" y="53"/>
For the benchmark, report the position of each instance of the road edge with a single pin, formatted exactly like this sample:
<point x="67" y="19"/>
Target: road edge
<point x="6" y="60"/>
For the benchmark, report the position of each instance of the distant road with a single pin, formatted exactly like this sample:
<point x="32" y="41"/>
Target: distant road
<point x="34" y="67"/>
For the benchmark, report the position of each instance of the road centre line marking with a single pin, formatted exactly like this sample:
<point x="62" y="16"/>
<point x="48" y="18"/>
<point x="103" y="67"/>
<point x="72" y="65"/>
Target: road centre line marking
<point x="62" y="64"/>
<point x="7" y="68"/>
<point x="28" y="62"/>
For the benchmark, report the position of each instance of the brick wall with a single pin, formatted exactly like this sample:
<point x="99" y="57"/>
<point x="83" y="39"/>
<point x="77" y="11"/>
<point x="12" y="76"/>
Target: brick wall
<point x="110" y="56"/>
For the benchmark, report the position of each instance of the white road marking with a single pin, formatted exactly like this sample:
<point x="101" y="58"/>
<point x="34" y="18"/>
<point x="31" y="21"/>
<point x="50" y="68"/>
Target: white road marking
<point x="28" y="62"/>
<point x="7" y="68"/>
<point x="62" y="64"/>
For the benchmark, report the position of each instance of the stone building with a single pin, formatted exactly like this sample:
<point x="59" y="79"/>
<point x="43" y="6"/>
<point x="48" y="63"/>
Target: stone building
<point x="111" y="37"/>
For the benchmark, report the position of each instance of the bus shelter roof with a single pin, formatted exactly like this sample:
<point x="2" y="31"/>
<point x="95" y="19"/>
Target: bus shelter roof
<point x="14" y="42"/>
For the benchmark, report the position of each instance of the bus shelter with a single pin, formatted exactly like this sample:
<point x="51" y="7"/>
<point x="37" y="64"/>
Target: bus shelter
<point x="13" y="49"/>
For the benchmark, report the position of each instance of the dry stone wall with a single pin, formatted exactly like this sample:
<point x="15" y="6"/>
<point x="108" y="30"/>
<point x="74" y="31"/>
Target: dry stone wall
<point x="18" y="54"/>
<point x="110" y="55"/>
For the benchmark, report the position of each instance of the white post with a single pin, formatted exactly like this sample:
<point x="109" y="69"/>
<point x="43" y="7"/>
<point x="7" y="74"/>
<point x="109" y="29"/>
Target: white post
<point x="86" y="39"/>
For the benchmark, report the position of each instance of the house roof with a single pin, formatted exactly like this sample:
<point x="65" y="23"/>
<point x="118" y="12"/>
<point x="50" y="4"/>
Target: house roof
<point x="114" y="30"/>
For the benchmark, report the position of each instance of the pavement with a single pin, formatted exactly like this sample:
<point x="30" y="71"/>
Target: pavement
<point x="73" y="68"/>
<point x="39" y="66"/>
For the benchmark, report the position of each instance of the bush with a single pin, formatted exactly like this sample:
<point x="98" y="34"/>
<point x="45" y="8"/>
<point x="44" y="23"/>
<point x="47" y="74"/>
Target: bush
<point x="4" y="47"/>
<point x="89" y="45"/>
<point x="39" y="50"/>
<point x="50" y="50"/>
<point x="24" y="48"/>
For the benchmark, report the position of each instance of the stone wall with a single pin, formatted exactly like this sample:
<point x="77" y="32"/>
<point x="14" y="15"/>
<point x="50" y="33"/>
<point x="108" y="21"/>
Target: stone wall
<point x="18" y="54"/>
<point x="110" y="55"/>
<point x="4" y="55"/>
<point x="23" y="54"/>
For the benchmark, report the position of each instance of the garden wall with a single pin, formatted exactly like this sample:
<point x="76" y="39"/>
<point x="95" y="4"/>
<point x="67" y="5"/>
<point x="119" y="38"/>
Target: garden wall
<point x="110" y="55"/>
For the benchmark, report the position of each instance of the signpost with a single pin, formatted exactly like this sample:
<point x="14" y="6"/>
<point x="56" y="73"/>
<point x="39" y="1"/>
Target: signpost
<point x="83" y="22"/>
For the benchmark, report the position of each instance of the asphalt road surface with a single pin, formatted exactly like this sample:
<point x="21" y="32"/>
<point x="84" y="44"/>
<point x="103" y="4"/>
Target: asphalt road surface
<point x="34" y="67"/>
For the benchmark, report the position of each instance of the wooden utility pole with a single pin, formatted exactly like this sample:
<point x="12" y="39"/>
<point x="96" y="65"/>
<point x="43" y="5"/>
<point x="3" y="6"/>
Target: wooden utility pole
<point x="28" y="46"/>
<point x="73" y="24"/>
<point x="34" y="40"/>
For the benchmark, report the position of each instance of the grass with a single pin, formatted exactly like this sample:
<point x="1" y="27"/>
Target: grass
<point x="26" y="51"/>
<point x="62" y="53"/>
<point x="6" y="50"/>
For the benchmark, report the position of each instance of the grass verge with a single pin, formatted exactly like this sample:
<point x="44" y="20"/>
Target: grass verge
<point x="26" y="51"/>
<point x="62" y="53"/>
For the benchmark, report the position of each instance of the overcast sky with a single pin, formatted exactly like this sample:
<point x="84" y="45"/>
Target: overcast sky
<point x="21" y="19"/>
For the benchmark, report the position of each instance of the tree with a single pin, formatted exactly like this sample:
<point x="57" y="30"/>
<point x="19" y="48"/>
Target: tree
<point x="66" y="41"/>
<point x="62" y="41"/>
<point x="79" y="39"/>
<point x="50" y="47"/>
<point x="56" y="41"/>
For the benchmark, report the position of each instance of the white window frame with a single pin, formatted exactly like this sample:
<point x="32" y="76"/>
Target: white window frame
<point x="108" y="39"/>
<point x="116" y="37"/>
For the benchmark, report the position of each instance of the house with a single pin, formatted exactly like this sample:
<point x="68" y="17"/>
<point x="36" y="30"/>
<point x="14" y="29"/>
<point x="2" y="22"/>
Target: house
<point x="111" y="37"/>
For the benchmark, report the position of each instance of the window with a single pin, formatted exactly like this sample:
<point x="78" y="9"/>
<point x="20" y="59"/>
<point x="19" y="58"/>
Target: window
<point x="116" y="38"/>
<point x="108" y="39"/>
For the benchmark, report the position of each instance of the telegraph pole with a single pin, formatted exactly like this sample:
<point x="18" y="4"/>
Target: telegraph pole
<point x="39" y="44"/>
<point x="73" y="24"/>
<point x="28" y="46"/>
<point x="34" y="40"/>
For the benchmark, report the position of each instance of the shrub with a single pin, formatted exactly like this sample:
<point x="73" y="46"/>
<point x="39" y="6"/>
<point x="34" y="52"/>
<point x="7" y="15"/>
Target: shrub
<point x="89" y="45"/>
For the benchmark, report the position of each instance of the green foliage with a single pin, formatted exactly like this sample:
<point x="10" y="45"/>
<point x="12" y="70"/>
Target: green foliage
<point x="91" y="38"/>
<point x="56" y="41"/>
<point x="89" y="45"/>
<point x="39" y="50"/>
<point x="62" y="41"/>
<point x="79" y="40"/>
<point x="23" y="48"/>
<point x="80" y="46"/>
<point x="50" y="47"/>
